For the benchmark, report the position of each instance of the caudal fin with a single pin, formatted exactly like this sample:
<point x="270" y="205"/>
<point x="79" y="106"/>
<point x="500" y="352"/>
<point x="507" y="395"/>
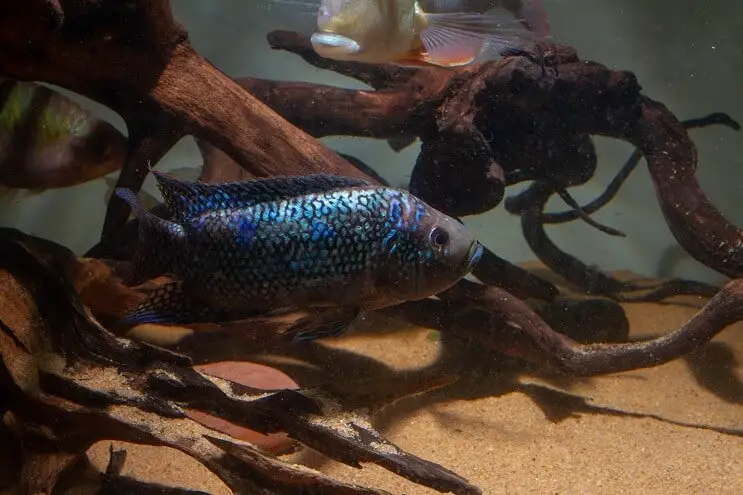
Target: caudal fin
<point x="159" y="241"/>
<point x="533" y="12"/>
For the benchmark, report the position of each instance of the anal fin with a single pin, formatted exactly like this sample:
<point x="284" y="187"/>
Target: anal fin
<point x="170" y="304"/>
<point x="324" y="323"/>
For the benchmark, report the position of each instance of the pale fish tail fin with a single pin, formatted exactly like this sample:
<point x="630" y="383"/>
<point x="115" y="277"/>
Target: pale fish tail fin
<point x="535" y="16"/>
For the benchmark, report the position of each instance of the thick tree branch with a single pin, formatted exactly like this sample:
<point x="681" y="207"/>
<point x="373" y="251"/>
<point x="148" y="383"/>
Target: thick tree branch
<point x="525" y="113"/>
<point x="69" y="383"/>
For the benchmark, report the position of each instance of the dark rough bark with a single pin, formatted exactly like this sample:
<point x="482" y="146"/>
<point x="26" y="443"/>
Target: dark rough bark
<point x="501" y="322"/>
<point x="591" y="280"/>
<point x="530" y="204"/>
<point x="69" y="383"/>
<point x="134" y="58"/>
<point x="535" y="119"/>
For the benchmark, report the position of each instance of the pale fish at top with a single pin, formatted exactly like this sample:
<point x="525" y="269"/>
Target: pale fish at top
<point x="402" y="32"/>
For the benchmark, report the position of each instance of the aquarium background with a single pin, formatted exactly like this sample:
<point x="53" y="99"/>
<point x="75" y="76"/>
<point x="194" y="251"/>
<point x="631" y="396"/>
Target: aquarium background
<point x="687" y="54"/>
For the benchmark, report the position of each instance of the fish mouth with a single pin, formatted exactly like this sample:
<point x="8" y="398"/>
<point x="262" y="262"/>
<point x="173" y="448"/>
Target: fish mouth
<point x="474" y="255"/>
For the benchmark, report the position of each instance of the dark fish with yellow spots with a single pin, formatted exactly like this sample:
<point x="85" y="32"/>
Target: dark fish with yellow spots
<point x="49" y="141"/>
<point x="338" y="245"/>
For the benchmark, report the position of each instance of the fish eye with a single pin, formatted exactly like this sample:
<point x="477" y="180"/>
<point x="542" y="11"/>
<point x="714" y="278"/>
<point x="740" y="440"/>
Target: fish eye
<point x="439" y="237"/>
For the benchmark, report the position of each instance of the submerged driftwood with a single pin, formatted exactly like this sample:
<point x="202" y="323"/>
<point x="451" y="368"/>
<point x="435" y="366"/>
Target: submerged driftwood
<point x="498" y="123"/>
<point x="530" y="205"/>
<point x="67" y="381"/>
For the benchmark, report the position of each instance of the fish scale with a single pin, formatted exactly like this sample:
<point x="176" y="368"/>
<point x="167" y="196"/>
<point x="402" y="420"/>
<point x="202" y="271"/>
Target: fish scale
<point x="318" y="250"/>
<point x="336" y="244"/>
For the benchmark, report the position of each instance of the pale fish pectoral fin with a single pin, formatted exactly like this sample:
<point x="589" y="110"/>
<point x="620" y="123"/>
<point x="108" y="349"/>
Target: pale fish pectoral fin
<point x="453" y="39"/>
<point x="170" y="304"/>
<point x="331" y="322"/>
<point x="449" y="48"/>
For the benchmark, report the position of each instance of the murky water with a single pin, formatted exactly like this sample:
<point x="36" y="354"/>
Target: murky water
<point x="506" y="426"/>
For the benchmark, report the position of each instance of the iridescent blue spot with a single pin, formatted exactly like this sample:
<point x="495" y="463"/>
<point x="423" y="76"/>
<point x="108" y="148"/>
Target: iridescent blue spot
<point x="395" y="213"/>
<point x="246" y="229"/>
<point x="308" y="211"/>
<point x="390" y="237"/>
<point x="420" y="212"/>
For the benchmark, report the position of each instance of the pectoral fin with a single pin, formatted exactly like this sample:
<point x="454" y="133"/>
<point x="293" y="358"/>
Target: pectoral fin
<point x="448" y="47"/>
<point x="453" y="39"/>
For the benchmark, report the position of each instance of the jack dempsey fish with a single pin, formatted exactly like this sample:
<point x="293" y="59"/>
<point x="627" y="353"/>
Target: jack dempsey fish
<point x="337" y="245"/>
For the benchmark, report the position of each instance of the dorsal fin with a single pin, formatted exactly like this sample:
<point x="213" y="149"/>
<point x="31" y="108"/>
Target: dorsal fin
<point x="185" y="200"/>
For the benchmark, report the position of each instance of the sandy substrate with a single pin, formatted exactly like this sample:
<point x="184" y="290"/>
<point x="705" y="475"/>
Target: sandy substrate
<point x="514" y="432"/>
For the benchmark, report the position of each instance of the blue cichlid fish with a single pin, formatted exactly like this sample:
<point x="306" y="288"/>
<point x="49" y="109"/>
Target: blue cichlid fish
<point x="49" y="141"/>
<point x="337" y="245"/>
<point x="418" y="33"/>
